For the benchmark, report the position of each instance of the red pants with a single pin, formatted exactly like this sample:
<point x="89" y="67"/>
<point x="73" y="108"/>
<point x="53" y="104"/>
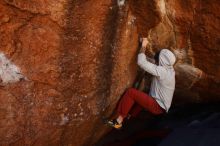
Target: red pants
<point x="137" y="100"/>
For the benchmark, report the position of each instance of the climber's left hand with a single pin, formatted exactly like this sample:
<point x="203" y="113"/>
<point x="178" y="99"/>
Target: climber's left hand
<point x="144" y="45"/>
<point x="144" y="42"/>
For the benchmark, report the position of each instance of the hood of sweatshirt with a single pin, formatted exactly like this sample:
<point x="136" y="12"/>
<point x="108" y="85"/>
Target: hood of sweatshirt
<point x="166" y="58"/>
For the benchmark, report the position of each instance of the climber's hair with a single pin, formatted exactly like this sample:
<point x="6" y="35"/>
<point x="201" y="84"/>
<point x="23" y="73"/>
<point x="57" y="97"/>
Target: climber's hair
<point x="156" y="56"/>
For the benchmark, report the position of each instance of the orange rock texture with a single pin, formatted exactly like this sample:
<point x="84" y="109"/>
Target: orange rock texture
<point x="71" y="60"/>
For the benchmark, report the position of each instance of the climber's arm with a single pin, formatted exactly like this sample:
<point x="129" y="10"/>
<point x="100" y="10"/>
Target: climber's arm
<point x="143" y="49"/>
<point x="145" y="64"/>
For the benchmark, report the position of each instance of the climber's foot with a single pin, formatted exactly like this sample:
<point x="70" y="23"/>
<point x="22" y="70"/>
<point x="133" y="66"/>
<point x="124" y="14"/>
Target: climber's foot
<point x="113" y="123"/>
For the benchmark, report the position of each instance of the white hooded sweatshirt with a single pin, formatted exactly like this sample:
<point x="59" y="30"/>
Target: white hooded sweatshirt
<point x="163" y="83"/>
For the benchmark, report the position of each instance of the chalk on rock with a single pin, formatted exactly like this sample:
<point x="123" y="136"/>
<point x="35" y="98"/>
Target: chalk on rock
<point x="64" y="120"/>
<point x="121" y="3"/>
<point x="9" y="73"/>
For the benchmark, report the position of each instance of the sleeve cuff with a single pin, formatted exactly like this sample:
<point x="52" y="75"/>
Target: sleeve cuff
<point x="142" y="55"/>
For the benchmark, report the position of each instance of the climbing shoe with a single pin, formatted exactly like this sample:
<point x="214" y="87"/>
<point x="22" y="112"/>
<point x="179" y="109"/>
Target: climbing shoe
<point x="114" y="124"/>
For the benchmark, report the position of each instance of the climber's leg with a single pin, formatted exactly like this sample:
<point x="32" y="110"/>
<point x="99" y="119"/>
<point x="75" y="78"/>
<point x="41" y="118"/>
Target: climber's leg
<point x="131" y="97"/>
<point x="136" y="109"/>
<point x="134" y="96"/>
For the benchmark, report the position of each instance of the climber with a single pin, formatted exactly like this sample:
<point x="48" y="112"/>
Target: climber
<point x="161" y="91"/>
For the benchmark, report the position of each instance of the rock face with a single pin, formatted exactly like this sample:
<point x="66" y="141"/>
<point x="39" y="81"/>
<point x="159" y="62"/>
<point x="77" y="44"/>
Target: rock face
<point x="69" y="61"/>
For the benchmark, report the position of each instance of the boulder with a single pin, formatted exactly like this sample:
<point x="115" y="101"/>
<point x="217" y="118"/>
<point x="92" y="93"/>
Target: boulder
<point x="65" y="64"/>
